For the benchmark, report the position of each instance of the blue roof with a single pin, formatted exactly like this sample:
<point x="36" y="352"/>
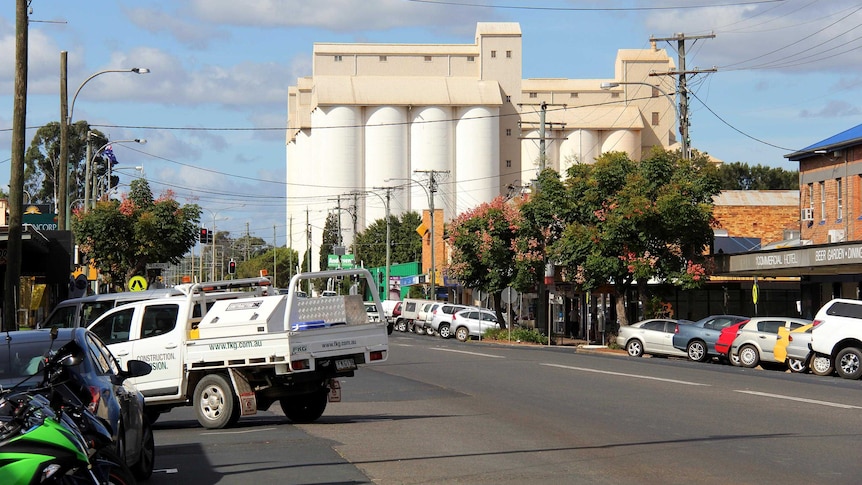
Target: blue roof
<point x="853" y="136"/>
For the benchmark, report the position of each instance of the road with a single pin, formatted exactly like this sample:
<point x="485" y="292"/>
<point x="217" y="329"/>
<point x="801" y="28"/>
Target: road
<point x="447" y="412"/>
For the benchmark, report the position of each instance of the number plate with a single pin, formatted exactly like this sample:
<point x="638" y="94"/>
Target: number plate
<point x="345" y="364"/>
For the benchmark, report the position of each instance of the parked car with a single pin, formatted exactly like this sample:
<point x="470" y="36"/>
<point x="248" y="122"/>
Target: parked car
<point x="725" y="338"/>
<point x="698" y="339"/>
<point x="98" y="382"/>
<point x="755" y="339"/>
<point x="800" y="357"/>
<point x="473" y="322"/>
<point x="441" y="321"/>
<point x="409" y="313"/>
<point x="653" y="336"/>
<point x="423" y="324"/>
<point x="372" y="311"/>
<point x="837" y="334"/>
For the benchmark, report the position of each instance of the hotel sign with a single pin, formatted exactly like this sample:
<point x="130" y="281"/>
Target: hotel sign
<point x="798" y="258"/>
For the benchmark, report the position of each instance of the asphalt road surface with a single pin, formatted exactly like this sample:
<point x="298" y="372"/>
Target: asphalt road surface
<point x="449" y="412"/>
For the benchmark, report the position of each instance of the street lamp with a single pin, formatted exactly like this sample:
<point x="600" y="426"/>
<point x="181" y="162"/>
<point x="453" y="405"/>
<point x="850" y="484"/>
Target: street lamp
<point x="680" y="121"/>
<point x="430" y="194"/>
<point x="90" y="162"/>
<point x="66" y="122"/>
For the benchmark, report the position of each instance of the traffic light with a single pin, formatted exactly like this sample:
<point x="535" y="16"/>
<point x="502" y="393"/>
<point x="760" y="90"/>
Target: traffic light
<point x="231" y="267"/>
<point x="205" y="237"/>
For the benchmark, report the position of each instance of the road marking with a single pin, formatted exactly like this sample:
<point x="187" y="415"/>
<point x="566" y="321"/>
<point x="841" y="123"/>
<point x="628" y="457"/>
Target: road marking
<point x="466" y="352"/>
<point x="237" y="432"/>
<point x="801" y="399"/>
<point x="166" y="470"/>
<point x="635" y="376"/>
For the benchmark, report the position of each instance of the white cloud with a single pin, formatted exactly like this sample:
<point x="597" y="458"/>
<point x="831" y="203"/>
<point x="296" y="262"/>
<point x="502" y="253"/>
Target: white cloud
<point x="176" y="24"/>
<point x="833" y="109"/>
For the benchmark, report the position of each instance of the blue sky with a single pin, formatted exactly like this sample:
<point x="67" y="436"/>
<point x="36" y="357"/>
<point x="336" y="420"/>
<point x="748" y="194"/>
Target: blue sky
<point x="213" y="107"/>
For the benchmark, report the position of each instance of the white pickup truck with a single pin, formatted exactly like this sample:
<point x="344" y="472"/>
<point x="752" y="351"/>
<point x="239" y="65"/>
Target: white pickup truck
<point x="244" y="354"/>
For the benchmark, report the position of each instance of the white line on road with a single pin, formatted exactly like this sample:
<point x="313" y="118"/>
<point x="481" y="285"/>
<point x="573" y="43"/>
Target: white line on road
<point x="166" y="470"/>
<point x="635" y="376"/>
<point x="238" y="432"/>
<point x="469" y="353"/>
<point x="801" y="399"/>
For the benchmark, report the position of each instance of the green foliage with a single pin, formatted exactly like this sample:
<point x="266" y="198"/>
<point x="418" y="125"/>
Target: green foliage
<point x="330" y="240"/>
<point x="741" y="176"/>
<point x="519" y="334"/>
<point x="122" y="237"/>
<point x="42" y="161"/>
<point x="285" y="260"/>
<point x="369" y="246"/>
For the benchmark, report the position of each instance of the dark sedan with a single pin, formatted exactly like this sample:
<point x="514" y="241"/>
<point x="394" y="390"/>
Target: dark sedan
<point x="98" y="381"/>
<point x="698" y="339"/>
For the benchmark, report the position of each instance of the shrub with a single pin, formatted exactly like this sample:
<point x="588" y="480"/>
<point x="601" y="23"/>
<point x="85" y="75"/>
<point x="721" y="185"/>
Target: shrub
<point x="529" y="335"/>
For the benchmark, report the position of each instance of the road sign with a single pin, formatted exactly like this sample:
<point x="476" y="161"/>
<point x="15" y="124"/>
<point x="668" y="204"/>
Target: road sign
<point x="137" y="283"/>
<point x="754" y="293"/>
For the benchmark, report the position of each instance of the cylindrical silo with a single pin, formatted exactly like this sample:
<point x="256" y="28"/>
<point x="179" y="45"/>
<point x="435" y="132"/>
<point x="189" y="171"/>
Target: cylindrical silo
<point x="385" y="155"/>
<point x="477" y="157"/>
<point x="628" y="141"/>
<point x="578" y="146"/>
<point x="337" y="148"/>
<point x="529" y="156"/>
<point x="431" y="142"/>
<point x="300" y="195"/>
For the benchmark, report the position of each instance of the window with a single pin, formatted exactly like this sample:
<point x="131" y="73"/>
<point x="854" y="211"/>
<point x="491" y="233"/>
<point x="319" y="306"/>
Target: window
<point x="615" y="95"/>
<point x="338" y="59"/>
<point x="382" y="58"/>
<point x="508" y="54"/>
<point x="508" y="132"/>
<point x="822" y="201"/>
<point x="655" y="118"/>
<point x="427" y="58"/>
<point x="811" y="198"/>
<point x="573" y="95"/>
<point x="158" y="320"/>
<point x="508" y="99"/>
<point x="508" y="164"/>
<point x="471" y="59"/>
<point x="115" y="328"/>
<point x="534" y="95"/>
<point x="493" y="54"/>
<point x="654" y="92"/>
<point x="839" y="200"/>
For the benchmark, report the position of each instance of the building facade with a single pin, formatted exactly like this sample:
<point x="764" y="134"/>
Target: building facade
<point x="456" y="122"/>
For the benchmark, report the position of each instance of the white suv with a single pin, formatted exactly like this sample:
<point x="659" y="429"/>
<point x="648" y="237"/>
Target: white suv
<point x="441" y="321"/>
<point x="837" y="334"/>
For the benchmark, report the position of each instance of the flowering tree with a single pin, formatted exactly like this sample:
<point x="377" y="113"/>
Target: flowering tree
<point x="634" y="221"/>
<point x="121" y="237"/>
<point x="484" y="251"/>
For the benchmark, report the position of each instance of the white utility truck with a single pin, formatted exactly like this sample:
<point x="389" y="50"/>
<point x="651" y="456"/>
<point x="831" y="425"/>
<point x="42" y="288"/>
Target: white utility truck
<point x="230" y="357"/>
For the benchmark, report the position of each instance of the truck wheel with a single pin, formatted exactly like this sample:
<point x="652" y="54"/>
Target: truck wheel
<point x="214" y="401"/>
<point x="848" y="363"/>
<point x="304" y="409"/>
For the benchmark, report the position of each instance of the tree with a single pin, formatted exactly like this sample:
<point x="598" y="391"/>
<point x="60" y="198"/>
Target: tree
<point x="122" y="237"/>
<point x="42" y="161"/>
<point x="482" y="241"/>
<point x="370" y="244"/>
<point x="634" y="221"/>
<point x="740" y="176"/>
<point x="285" y="260"/>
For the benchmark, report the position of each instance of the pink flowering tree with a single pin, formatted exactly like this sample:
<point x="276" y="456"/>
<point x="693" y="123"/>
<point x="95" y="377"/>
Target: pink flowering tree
<point x="122" y="237"/>
<point x="483" y="248"/>
<point x="637" y="221"/>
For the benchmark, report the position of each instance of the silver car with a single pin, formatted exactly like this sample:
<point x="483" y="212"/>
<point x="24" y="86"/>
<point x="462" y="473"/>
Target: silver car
<point x="801" y="358"/>
<point x="755" y="339"/>
<point x="473" y="322"/>
<point x="441" y="321"/>
<point x="653" y="336"/>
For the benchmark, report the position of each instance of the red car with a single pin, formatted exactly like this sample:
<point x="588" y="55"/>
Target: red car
<point x="725" y="339"/>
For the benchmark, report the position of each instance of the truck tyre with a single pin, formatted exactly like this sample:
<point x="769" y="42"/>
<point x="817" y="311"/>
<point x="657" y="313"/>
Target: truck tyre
<point x="848" y="363"/>
<point x="214" y="402"/>
<point x="304" y="409"/>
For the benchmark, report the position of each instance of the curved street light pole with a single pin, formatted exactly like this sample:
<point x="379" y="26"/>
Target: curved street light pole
<point x="65" y="123"/>
<point x="679" y="120"/>
<point x="388" y="238"/>
<point x="430" y="195"/>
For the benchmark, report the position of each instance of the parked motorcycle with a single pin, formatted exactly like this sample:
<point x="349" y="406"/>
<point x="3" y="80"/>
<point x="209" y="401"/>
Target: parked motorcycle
<point x="49" y="437"/>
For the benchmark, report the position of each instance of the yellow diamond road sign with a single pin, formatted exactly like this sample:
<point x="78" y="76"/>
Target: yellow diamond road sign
<point x="138" y="283"/>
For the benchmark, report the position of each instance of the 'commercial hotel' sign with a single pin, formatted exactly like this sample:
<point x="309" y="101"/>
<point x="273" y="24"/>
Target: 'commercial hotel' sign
<point x="796" y="258"/>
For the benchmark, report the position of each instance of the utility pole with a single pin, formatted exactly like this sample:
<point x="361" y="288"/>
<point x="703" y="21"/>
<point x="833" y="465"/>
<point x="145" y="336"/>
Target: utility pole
<point x="308" y="249"/>
<point x="682" y="84"/>
<point x="14" y="246"/>
<point x="543" y="124"/>
<point x="432" y="188"/>
<point x="388" y="241"/>
<point x="63" y="190"/>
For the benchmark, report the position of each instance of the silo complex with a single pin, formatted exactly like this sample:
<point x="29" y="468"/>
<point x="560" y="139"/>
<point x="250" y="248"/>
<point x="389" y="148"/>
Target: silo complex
<point x="390" y="115"/>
